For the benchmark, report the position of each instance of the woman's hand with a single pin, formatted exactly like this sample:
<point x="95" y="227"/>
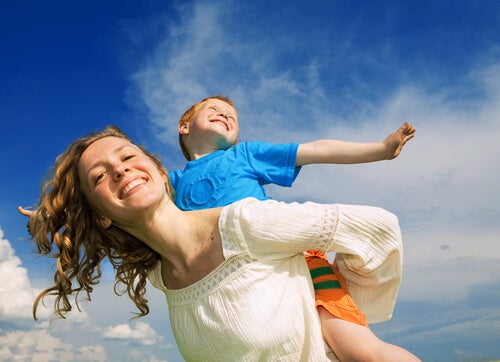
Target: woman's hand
<point x="25" y="212"/>
<point x="32" y="215"/>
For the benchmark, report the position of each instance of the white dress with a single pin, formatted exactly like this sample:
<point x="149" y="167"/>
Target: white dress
<point x="258" y="305"/>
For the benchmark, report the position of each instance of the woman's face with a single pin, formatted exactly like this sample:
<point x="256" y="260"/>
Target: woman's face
<point x="120" y="181"/>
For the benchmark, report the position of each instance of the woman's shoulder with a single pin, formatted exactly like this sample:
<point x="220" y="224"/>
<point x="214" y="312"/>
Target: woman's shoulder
<point x="237" y="206"/>
<point x="232" y="228"/>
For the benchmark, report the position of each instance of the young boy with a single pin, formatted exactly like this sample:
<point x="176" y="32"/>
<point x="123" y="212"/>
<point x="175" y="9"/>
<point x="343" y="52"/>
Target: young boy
<point x="221" y="171"/>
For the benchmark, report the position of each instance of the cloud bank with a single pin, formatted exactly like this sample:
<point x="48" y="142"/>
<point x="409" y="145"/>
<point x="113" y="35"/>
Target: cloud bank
<point x="48" y="339"/>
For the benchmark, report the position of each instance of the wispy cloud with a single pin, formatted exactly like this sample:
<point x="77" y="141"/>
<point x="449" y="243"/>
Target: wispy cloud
<point x="142" y="333"/>
<point x="201" y="55"/>
<point x="37" y="345"/>
<point x="444" y="186"/>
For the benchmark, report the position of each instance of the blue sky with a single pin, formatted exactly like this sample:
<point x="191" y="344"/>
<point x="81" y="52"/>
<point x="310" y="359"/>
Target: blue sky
<point x="307" y="70"/>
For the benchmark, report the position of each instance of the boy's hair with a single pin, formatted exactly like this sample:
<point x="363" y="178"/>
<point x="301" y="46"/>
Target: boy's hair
<point x="186" y="118"/>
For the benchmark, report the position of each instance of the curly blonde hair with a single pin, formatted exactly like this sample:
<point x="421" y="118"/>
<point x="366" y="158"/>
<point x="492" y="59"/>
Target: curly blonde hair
<point x="186" y="118"/>
<point x="66" y="222"/>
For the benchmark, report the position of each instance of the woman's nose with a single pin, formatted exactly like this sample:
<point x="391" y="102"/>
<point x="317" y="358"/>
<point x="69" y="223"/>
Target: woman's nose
<point x="119" y="171"/>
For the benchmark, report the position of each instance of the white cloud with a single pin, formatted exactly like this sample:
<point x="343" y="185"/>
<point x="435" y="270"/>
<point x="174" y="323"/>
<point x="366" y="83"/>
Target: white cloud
<point x="40" y="346"/>
<point x="21" y="345"/>
<point x="73" y="338"/>
<point x="40" y="343"/>
<point x="444" y="265"/>
<point x="171" y="77"/>
<point x="137" y="355"/>
<point x="479" y="323"/>
<point x="142" y="333"/>
<point x="444" y="186"/>
<point x="93" y="353"/>
<point x="201" y="55"/>
<point x="16" y="293"/>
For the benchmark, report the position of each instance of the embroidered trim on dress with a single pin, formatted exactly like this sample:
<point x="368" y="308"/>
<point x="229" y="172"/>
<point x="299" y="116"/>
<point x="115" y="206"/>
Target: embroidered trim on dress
<point x="228" y="270"/>
<point x="229" y="247"/>
<point x="328" y="227"/>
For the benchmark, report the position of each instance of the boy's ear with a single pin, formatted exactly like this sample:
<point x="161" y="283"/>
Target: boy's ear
<point x="183" y="128"/>
<point x="103" y="221"/>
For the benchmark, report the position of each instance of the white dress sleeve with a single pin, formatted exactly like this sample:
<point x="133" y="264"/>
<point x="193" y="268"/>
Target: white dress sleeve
<point x="371" y="259"/>
<point x="367" y="242"/>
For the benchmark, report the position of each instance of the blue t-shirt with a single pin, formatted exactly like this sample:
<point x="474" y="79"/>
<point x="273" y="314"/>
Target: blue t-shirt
<point x="226" y="176"/>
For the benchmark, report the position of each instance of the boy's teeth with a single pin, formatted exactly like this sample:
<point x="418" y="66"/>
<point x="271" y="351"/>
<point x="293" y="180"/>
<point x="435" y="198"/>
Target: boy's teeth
<point x="221" y="123"/>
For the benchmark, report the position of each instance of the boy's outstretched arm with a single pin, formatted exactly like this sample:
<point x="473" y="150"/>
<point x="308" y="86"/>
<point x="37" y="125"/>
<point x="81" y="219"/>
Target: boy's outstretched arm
<point x="344" y="152"/>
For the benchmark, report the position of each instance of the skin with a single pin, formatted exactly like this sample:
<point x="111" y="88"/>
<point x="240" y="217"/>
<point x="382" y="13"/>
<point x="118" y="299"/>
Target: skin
<point x="213" y="127"/>
<point x="357" y="343"/>
<point x="128" y="190"/>
<point x="343" y="152"/>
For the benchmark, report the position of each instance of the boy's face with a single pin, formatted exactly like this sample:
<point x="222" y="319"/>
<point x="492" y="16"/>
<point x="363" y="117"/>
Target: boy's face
<point x="215" y="125"/>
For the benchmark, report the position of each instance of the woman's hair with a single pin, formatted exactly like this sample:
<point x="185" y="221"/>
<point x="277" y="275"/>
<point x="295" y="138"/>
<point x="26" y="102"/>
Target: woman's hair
<point x="65" y="221"/>
<point x="186" y="118"/>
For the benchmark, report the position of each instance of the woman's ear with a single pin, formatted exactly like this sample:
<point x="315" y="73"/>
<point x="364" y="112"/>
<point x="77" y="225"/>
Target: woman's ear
<point x="103" y="221"/>
<point x="164" y="174"/>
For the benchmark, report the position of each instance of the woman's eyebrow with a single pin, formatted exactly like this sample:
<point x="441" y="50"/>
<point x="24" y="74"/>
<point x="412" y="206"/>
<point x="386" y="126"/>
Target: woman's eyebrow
<point x="99" y="162"/>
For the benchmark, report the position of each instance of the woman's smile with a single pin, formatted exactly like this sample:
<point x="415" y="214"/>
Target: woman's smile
<point x="131" y="187"/>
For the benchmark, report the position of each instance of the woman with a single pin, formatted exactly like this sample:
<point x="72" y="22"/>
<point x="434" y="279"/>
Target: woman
<point x="235" y="278"/>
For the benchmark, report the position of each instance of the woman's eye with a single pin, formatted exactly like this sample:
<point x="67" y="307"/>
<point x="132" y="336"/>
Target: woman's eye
<point x="99" y="177"/>
<point x="128" y="157"/>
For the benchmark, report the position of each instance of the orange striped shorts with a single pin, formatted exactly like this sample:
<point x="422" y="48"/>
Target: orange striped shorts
<point x="331" y="289"/>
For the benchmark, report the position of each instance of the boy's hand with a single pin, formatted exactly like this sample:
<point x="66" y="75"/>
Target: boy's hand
<point x="396" y="140"/>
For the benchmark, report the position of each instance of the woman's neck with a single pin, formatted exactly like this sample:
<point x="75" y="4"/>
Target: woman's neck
<point x="189" y="244"/>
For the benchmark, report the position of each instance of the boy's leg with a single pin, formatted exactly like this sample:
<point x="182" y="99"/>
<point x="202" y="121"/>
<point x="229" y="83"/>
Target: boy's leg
<point x="331" y="290"/>
<point x="354" y="342"/>
<point x="344" y="325"/>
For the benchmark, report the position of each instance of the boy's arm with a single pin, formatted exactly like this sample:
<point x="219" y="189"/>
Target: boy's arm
<point x="343" y="152"/>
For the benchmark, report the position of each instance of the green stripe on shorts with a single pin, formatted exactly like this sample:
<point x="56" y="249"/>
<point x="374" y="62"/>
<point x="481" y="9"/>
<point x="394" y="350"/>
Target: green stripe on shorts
<point x="327" y="284"/>
<point x="322" y="270"/>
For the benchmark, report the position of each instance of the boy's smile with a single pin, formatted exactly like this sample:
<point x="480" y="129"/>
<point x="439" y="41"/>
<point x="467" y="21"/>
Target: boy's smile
<point x="221" y="123"/>
<point x="213" y="127"/>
